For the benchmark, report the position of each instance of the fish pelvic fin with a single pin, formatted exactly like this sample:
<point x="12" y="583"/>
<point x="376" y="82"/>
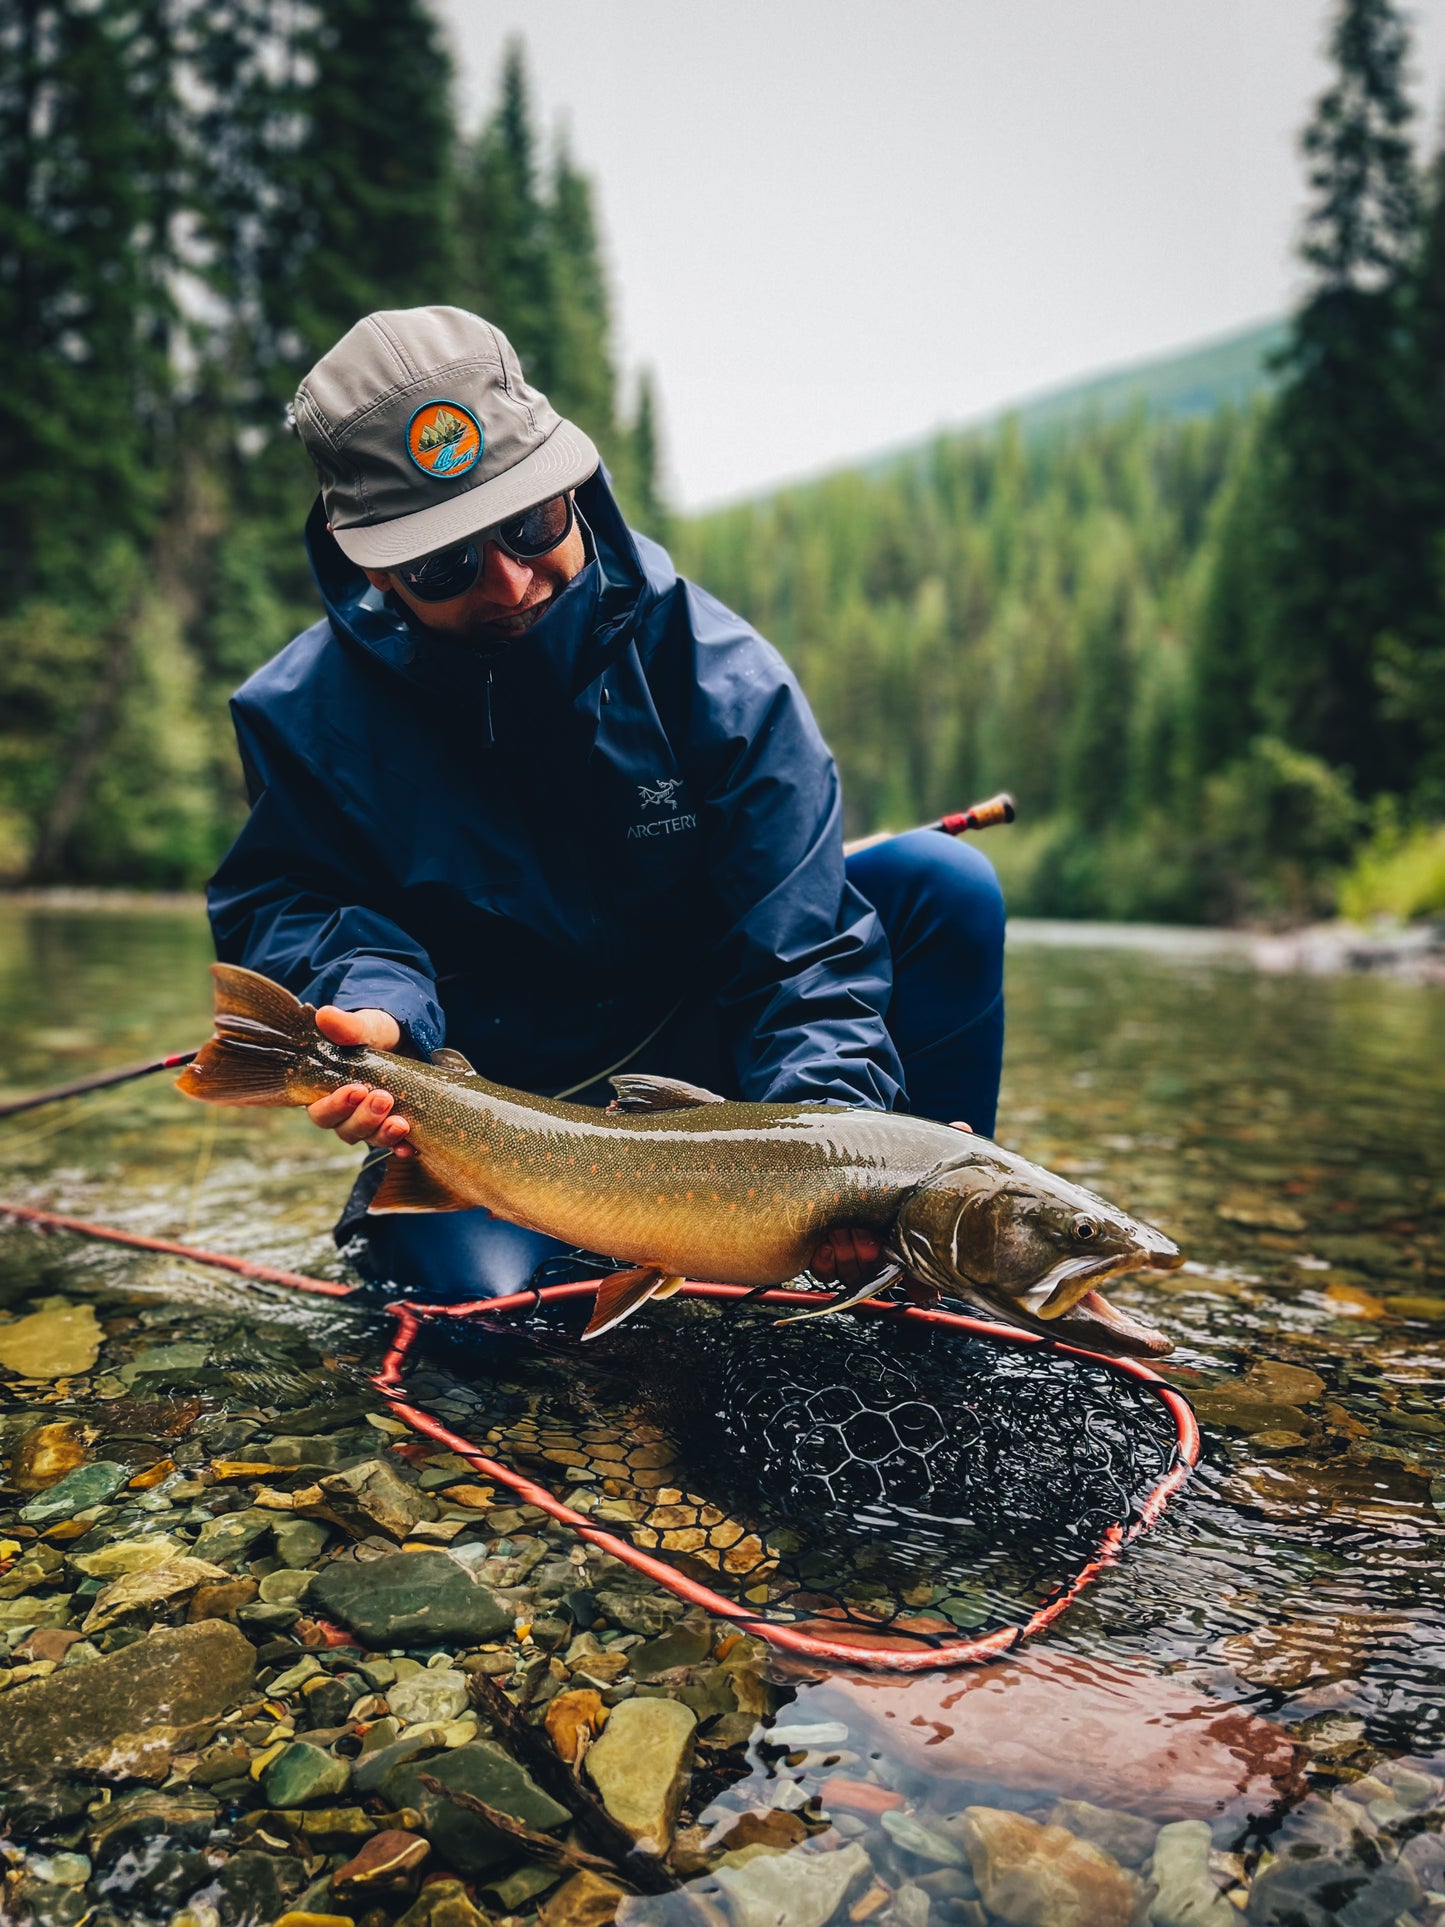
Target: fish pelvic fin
<point x="262" y="1035"/>
<point x="624" y="1293"/>
<point x="868" y="1289"/>
<point x="638" y="1093"/>
<point x="409" y="1186"/>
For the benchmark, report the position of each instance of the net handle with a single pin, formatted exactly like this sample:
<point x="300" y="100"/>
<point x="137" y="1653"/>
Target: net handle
<point x="792" y="1638"/>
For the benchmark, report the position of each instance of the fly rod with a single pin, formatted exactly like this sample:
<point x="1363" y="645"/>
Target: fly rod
<point x="103" y="1080"/>
<point x="978" y="816"/>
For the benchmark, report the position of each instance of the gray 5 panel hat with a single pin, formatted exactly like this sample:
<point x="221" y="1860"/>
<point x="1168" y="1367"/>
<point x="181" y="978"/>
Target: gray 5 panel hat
<point x="423" y="431"/>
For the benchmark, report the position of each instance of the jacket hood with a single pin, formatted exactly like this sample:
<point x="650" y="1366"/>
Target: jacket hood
<point x="558" y="660"/>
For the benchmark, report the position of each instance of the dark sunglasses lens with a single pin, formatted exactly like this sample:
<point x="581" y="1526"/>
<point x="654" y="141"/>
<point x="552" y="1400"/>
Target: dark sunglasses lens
<point x="443" y="576"/>
<point x="540" y="529"/>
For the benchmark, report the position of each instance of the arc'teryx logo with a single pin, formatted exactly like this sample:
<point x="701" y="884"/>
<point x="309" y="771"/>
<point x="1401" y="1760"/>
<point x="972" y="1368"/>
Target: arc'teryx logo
<point x="664" y="797"/>
<point x="661" y="795"/>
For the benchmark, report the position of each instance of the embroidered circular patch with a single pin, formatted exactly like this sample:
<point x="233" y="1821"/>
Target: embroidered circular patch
<point x="444" y="439"/>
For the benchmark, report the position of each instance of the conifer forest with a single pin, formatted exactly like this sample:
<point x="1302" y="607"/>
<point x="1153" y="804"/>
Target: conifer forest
<point x="1205" y="653"/>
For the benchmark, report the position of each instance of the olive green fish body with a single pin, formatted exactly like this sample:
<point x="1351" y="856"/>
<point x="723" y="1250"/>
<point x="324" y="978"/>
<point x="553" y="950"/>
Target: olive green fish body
<point x="695" y="1186"/>
<point x="740" y="1193"/>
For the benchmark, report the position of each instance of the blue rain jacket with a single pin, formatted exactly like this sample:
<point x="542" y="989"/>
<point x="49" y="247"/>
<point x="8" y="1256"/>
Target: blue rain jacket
<point x="533" y="854"/>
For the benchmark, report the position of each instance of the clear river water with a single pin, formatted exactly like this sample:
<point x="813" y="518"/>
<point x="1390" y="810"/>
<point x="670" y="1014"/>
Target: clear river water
<point x="1288" y="1131"/>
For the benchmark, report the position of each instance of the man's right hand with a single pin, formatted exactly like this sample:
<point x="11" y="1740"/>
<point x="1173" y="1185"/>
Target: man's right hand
<point x="357" y="1113"/>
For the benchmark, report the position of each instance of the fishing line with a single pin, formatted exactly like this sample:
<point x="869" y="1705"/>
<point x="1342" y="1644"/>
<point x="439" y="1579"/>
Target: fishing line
<point x="205" y="1150"/>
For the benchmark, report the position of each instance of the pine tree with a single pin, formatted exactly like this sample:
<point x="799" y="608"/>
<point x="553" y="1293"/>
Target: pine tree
<point x="583" y="382"/>
<point x="505" y="264"/>
<point x="1410" y="665"/>
<point x="1340" y="429"/>
<point x="644" y="484"/>
<point x="82" y="293"/>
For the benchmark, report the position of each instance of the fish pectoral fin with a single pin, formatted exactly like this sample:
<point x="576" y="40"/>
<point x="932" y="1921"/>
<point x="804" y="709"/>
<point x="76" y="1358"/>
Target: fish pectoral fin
<point x="447" y="1059"/>
<point x="622" y="1294"/>
<point x="637" y="1093"/>
<point x="869" y="1289"/>
<point x="409" y="1186"/>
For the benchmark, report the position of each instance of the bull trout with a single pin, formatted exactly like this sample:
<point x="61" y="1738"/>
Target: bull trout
<point x="677" y="1182"/>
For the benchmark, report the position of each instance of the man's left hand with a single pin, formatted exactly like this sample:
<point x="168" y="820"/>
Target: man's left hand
<point x="851" y="1253"/>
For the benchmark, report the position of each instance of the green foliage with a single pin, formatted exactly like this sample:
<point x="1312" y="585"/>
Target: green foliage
<point x="1188" y="648"/>
<point x="1399" y="873"/>
<point x="1004" y="615"/>
<point x="288" y="169"/>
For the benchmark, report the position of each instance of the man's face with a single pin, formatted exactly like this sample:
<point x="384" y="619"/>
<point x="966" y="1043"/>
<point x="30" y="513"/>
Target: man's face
<point x="507" y="597"/>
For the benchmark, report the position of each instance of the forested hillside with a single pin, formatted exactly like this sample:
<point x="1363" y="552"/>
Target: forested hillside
<point x="197" y="198"/>
<point x="1206" y="651"/>
<point x="1208" y="656"/>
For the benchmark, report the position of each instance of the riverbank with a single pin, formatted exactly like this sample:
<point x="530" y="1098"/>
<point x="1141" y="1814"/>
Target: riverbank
<point x="1404" y="952"/>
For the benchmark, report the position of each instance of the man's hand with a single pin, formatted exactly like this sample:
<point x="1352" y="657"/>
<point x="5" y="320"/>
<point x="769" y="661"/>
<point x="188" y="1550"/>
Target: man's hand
<point x="358" y="1114"/>
<point x="851" y="1253"/>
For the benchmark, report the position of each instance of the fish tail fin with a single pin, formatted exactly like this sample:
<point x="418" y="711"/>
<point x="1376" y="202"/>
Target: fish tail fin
<point x="262" y="1035"/>
<point x="624" y="1293"/>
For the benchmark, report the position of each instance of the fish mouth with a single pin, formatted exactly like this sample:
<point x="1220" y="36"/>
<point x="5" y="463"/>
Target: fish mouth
<point x="1074" y="1279"/>
<point x="1091" y="1324"/>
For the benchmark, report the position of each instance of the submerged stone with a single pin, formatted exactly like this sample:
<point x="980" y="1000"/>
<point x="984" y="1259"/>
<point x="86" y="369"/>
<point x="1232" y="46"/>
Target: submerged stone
<point x="129" y="1555"/>
<point x="185" y="1817"/>
<point x="255" y="1886"/>
<point x="300" y="1774"/>
<point x="1128" y="1837"/>
<point x="586" y="1900"/>
<point x="1187" y="1895"/>
<point x="432" y="1697"/>
<point x="640" y="1765"/>
<point x="388" y="1864"/>
<point x="441" y="1903"/>
<point x="225" y="1539"/>
<point x="373" y="1497"/>
<point x="87" y="1485"/>
<point x="175" y="1676"/>
<point x="489" y="1774"/>
<point x="410" y="1598"/>
<point x="58" y="1342"/>
<point x="793" y="1889"/>
<point x="151" y="1586"/>
<point x="1041" y="1876"/>
<point x="46" y="1454"/>
<point x="1312" y="1890"/>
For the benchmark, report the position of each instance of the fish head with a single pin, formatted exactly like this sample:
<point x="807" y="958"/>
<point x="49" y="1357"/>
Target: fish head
<point x="994" y="1227"/>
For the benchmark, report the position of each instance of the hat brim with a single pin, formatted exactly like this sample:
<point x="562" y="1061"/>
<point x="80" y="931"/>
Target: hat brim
<point x="565" y="460"/>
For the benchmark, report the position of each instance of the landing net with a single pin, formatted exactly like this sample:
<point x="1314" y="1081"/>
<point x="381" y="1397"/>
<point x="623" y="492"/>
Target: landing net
<point x="897" y="1487"/>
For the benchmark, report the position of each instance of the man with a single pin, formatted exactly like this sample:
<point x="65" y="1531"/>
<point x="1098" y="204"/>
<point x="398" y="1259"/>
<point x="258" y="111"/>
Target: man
<point x="525" y="792"/>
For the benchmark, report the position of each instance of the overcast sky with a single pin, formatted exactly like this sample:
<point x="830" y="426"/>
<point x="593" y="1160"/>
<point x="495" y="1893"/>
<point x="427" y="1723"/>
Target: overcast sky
<point x="833" y="225"/>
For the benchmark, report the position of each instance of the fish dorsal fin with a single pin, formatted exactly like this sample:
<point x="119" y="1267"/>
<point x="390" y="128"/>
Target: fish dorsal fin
<point x="409" y="1186"/>
<point x="447" y="1059"/>
<point x="637" y="1093"/>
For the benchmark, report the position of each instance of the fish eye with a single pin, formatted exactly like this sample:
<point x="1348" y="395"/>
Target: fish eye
<point x="1085" y="1228"/>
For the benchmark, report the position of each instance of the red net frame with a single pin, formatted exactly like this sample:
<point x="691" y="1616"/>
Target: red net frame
<point x="889" y="1652"/>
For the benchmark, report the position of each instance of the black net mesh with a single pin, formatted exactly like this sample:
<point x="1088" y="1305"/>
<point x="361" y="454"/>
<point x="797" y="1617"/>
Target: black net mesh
<point x="895" y="1475"/>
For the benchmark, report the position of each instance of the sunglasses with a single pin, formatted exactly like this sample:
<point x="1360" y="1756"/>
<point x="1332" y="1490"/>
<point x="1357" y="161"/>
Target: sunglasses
<point x="449" y="573"/>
